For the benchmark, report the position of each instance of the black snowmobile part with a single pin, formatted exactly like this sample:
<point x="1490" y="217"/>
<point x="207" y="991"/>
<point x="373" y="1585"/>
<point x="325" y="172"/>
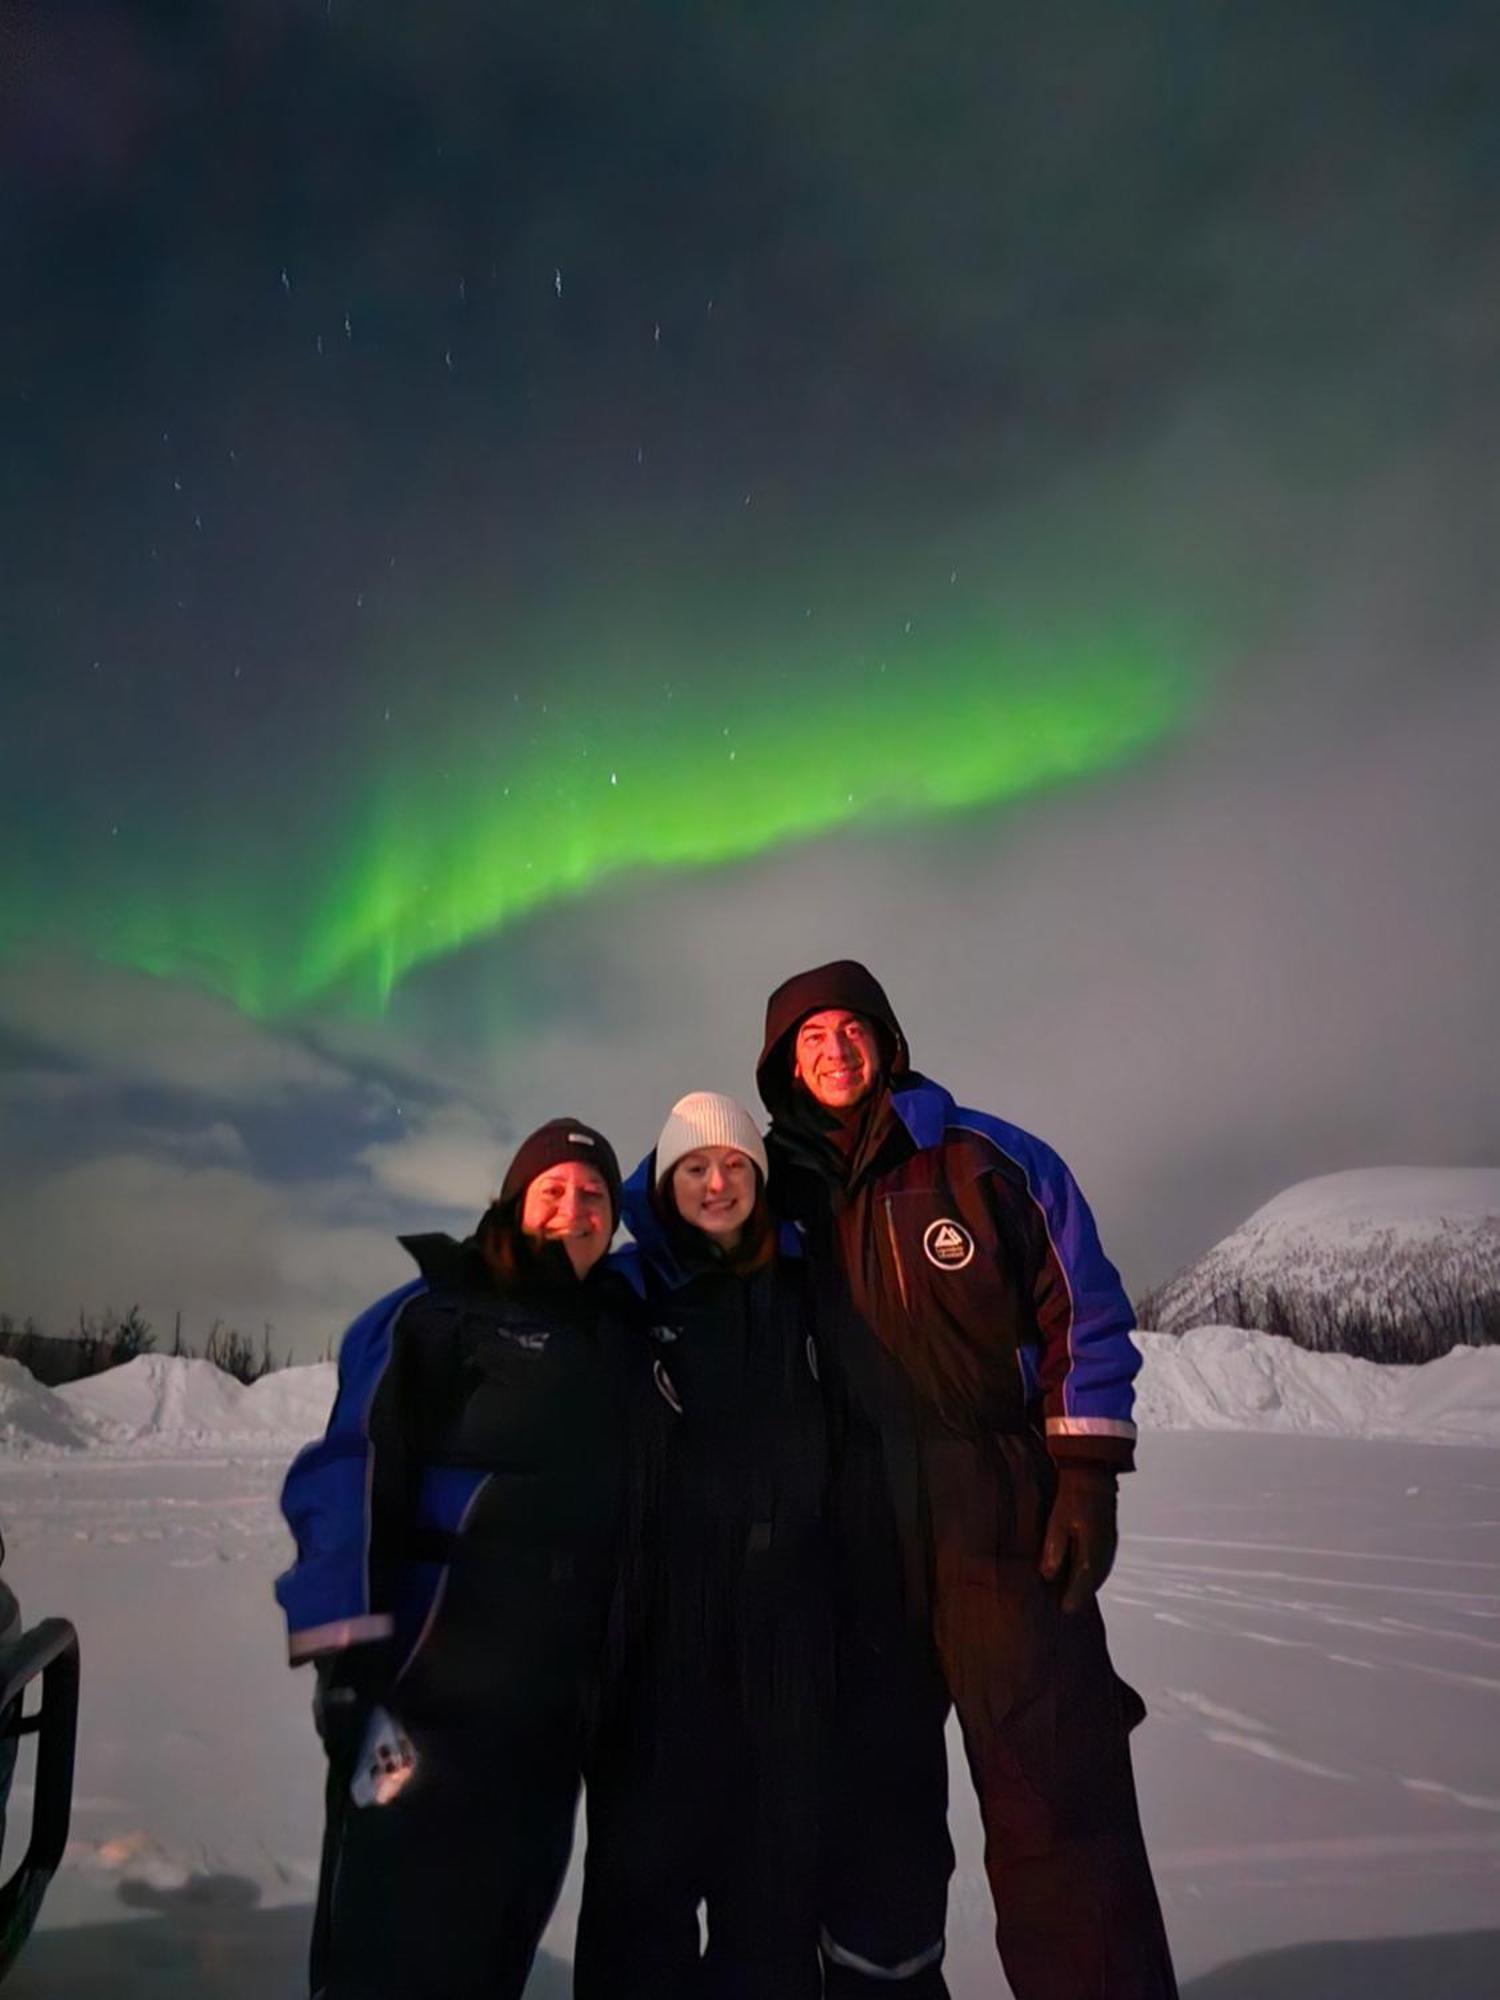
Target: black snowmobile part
<point x="48" y="1651"/>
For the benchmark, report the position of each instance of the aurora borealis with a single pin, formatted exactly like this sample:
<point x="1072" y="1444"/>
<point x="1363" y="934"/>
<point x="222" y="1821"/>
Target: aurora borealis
<point x="519" y="527"/>
<point x="551" y="798"/>
<point x="678" y="787"/>
<point x="460" y="516"/>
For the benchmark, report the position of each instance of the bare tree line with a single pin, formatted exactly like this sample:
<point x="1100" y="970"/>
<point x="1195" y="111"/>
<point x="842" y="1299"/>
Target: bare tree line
<point x="1391" y="1301"/>
<point x="109" y="1339"/>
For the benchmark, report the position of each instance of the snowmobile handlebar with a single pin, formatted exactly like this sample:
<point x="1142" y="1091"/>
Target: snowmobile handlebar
<point x="33" y="1653"/>
<point x="48" y="1651"/>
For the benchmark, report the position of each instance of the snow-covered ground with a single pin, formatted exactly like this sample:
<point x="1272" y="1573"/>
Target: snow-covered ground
<point x="1313" y="1617"/>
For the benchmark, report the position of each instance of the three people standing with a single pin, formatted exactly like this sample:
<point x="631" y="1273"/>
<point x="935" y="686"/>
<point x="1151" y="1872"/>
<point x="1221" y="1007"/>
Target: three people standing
<point x="830" y="1450"/>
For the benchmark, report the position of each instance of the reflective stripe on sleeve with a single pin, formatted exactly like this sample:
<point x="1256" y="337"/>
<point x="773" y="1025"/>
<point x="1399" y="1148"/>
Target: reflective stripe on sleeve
<point x="333" y="1638"/>
<point x="1083" y="1427"/>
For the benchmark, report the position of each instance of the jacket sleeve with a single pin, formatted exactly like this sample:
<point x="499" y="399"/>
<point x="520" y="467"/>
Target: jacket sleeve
<point x="1089" y="1360"/>
<point x="345" y="1497"/>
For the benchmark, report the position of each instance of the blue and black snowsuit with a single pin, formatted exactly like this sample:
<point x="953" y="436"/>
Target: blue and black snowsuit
<point x="707" y="1789"/>
<point x="458" y="1543"/>
<point x="977" y="1339"/>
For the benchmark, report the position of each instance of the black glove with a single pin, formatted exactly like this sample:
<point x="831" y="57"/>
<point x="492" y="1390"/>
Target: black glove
<point x="350" y="1684"/>
<point x="1079" y="1549"/>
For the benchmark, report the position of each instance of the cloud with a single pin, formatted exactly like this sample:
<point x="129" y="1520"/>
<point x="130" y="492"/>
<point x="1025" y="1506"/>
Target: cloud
<point x="215" y="1243"/>
<point x="218" y="1144"/>
<point x="1260" y="956"/>
<point x="129" y="1028"/>
<point x="189" y="1160"/>
<point x="25" y="1091"/>
<point x="450" y="1157"/>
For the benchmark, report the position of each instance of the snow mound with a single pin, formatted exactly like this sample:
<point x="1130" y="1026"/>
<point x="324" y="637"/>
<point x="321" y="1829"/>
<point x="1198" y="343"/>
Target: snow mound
<point x="1390" y="1263"/>
<point x="294" y="1403"/>
<point x="1225" y="1378"/>
<point x="167" y="1400"/>
<point x="1209" y="1378"/>
<point x="33" y="1417"/>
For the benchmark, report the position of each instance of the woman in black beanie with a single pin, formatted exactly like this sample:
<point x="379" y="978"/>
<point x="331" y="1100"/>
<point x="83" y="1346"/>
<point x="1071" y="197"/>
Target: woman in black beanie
<point x="458" y="1539"/>
<point x="707" y="1785"/>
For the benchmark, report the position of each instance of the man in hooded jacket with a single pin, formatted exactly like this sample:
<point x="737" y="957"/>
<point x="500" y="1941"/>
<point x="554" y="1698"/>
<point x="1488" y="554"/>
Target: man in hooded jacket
<point x="979" y="1354"/>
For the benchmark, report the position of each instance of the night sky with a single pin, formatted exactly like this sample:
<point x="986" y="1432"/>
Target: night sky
<point x="520" y="527"/>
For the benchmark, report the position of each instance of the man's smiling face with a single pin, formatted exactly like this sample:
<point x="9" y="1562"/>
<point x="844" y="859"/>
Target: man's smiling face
<point x="837" y="1058"/>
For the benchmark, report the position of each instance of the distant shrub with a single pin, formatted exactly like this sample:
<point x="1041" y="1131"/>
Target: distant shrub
<point x="50" y="1361"/>
<point x="114" y="1338"/>
<point x="227" y="1348"/>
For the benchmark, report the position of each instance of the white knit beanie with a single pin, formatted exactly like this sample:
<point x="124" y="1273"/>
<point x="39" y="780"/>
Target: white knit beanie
<point x="705" y="1118"/>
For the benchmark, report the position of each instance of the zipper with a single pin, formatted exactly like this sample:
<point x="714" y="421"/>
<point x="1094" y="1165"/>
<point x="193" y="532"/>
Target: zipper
<point x="890" y="1230"/>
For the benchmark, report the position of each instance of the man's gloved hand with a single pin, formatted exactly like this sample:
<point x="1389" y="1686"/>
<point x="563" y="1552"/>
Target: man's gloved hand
<point x="1079" y="1547"/>
<point x="350" y="1684"/>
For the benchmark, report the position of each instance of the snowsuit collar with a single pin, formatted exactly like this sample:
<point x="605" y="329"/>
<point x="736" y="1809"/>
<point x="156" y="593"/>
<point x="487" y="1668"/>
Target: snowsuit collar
<point x="447" y="1265"/>
<point x="896" y="1123"/>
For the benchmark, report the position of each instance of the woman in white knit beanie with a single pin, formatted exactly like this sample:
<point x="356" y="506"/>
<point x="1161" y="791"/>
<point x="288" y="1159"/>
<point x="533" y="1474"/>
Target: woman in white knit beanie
<point x="710" y="1168"/>
<point x="707" y="1787"/>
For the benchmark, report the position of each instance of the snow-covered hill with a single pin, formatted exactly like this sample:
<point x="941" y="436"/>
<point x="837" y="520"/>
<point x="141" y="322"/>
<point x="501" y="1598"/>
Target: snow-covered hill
<point x="1389" y="1263"/>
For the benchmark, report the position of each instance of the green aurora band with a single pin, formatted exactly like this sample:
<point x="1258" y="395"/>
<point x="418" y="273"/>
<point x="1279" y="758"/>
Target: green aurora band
<point x="532" y="799"/>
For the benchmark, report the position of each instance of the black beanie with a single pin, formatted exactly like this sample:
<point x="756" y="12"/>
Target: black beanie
<point x="843" y="983"/>
<point x="548" y="1146"/>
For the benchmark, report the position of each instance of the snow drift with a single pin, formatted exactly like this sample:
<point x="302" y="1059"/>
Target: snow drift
<point x="1224" y="1378"/>
<point x="31" y="1415"/>
<point x="1210" y="1378"/>
<point x="162" y="1401"/>
<point x="1388" y="1263"/>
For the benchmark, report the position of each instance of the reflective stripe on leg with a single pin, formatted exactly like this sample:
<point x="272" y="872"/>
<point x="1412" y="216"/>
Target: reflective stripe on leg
<point x="839" y="1954"/>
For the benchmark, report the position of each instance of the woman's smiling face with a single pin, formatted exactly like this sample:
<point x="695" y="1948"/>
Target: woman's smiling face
<point x="569" y="1204"/>
<point x="714" y="1189"/>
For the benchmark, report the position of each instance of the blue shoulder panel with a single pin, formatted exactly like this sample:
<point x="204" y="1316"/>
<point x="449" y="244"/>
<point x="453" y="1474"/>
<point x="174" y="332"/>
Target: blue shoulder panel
<point x="925" y="1109"/>
<point x="326" y="1500"/>
<point x="651" y="1246"/>
<point x="630" y="1265"/>
<point x="1090" y="1361"/>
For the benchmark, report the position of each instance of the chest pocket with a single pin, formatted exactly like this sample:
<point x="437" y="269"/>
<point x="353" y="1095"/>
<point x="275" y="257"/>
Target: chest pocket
<point x="515" y="1389"/>
<point x="489" y="1346"/>
<point x="955" y="1264"/>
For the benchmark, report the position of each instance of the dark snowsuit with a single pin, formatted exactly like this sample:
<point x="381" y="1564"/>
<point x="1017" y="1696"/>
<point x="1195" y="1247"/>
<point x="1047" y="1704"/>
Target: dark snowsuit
<point x="976" y="1335"/>
<point x="461" y="1517"/>
<point x="707" y="1787"/>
